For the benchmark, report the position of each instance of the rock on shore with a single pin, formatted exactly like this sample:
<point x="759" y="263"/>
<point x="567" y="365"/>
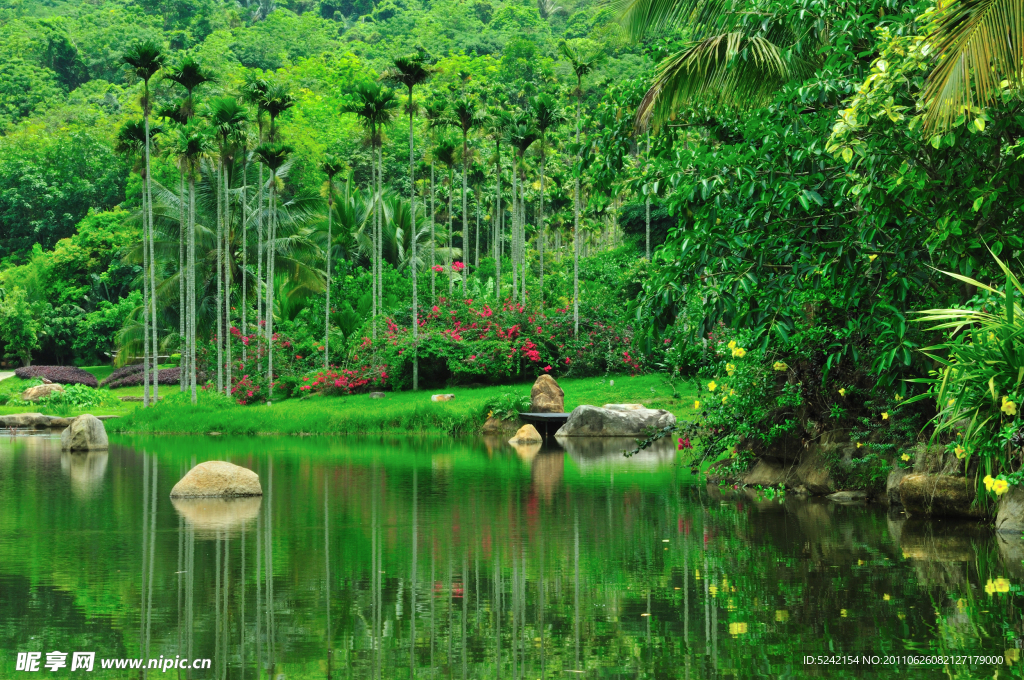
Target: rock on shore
<point x="217" y="479"/>
<point x="591" y="421"/>
<point x="546" y="396"/>
<point x="85" y="433"/>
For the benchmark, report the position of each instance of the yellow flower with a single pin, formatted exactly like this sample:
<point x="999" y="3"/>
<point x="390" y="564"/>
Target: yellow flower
<point x="713" y="590"/>
<point x="859" y="445"/>
<point x="905" y="457"/>
<point x="1002" y="585"/>
<point x="842" y="391"/>
<point x="886" y="597"/>
<point x="779" y="366"/>
<point x="732" y="344"/>
<point x="732" y="393"/>
<point x="739" y="352"/>
<point x="842" y="613"/>
<point x="961" y="605"/>
<point x="1009" y="408"/>
<point x="885" y="415"/>
<point x="1000" y="486"/>
<point x="871" y="258"/>
<point x="950" y="402"/>
<point x="737" y="628"/>
<point x="898" y="397"/>
<point x="988" y="481"/>
<point x="991" y="336"/>
<point x="781" y="615"/>
<point x="724" y="398"/>
<point x="959" y="451"/>
<point x="712" y="386"/>
<point x="696" y="404"/>
<point x="730" y="368"/>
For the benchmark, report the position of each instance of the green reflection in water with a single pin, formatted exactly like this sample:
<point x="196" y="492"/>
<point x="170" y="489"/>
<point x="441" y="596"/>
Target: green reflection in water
<point x="428" y="558"/>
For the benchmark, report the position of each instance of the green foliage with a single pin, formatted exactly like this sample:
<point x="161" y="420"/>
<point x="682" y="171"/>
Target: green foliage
<point x="77" y="398"/>
<point x="18" y="329"/>
<point x="507" y="406"/>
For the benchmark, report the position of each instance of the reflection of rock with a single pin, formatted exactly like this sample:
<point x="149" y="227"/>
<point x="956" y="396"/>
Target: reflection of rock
<point x="547" y="472"/>
<point x="1011" y="553"/>
<point x="527" y="434"/>
<point x="546" y="396"/>
<point x="526" y="452"/>
<point x="216" y="478"/>
<point x="942" y="553"/>
<point x="1010" y="517"/>
<point x="596" y="452"/>
<point x="848" y="496"/>
<point x="86" y="471"/>
<point x="39" y="391"/>
<point x="85" y="433"/>
<point x="591" y="421"/>
<point x="218" y="514"/>
<point x="938" y="496"/>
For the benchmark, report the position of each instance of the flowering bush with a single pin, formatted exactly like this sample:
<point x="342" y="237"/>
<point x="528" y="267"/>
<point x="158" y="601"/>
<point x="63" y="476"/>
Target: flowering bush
<point x="467" y="341"/>
<point x="248" y="391"/>
<point x="344" y="381"/>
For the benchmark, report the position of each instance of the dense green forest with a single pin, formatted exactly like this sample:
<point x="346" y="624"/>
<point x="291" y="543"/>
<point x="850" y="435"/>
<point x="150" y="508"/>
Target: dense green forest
<point x="346" y="195"/>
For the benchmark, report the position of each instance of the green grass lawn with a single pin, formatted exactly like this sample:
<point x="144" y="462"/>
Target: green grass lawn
<point x="397" y="412"/>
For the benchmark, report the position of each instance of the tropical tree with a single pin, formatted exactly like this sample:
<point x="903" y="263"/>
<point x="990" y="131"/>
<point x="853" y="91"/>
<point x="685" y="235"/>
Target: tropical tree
<point x="464" y="110"/>
<point x="445" y="152"/>
<point x="435" y="112"/>
<point x="410" y="72"/>
<point x="583" y="57"/>
<point x="546" y="116"/>
<point x="496" y="125"/>
<point x="521" y="135"/>
<point x="144" y="60"/>
<point x="254" y="93"/>
<point x="273" y="156"/>
<point x="330" y="166"/>
<point x="477" y="178"/>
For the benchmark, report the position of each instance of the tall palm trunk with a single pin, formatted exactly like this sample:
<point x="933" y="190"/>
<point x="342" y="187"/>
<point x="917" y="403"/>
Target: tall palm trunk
<point x="540" y="223"/>
<point x="145" y="301"/>
<point x="327" y="301"/>
<point x="380" y="228"/>
<point x="515" y="231"/>
<point x="497" y="224"/>
<point x="373" y="238"/>
<point x="245" y="245"/>
<point x="220" y="273"/>
<point x="415" y="264"/>
<point x="433" y="236"/>
<point x="522" y="234"/>
<point x="465" y="218"/>
<point x="451" y="255"/>
<point x="259" y="249"/>
<point x="183" y="349"/>
<point x="152" y="281"/>
<point x="576" y="217"/>
<point x="476" y="260"/>
<point x="648" y="201"/>
<point x="192" y="282"/>
<point x="271" y="237"/>
<point x="227" y="273"/>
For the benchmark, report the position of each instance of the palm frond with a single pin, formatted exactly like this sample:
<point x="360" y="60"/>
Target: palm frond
<point x="643" y="17"/>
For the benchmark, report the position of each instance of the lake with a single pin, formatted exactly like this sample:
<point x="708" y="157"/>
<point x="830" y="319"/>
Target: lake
<point x="412" y="557"/>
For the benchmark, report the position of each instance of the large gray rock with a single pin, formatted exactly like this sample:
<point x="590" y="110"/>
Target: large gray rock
<point x="86" y="433"/>
<point x="591" y="421"/>
<point x="25" y="420"/>
<point x="769" y="473"/>
<point x="546" y="396"/>
<point x="1010" y="515"/>
<point x="938" y="496"/>
<point x="217" y="479"/>
<point x="39" y="391"/>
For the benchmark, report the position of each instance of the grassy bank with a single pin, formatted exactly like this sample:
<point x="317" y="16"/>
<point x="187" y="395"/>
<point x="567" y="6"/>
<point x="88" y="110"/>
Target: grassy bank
<point x="397" y="412"/>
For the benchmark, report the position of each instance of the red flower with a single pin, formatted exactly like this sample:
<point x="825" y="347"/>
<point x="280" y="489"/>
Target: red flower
<point x="458" y="266"/>
<point x="547" y="368"/>
<point x="438" y="268"/>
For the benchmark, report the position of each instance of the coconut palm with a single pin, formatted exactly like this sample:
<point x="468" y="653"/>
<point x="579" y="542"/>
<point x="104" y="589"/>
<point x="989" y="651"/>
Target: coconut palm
<point x="273" y="156"/>
<point x="445" y="152"/>
<point x="464" y="112"/>
<point x="546" y="115"/>
<point x="254" y="92"/>
<point x="144" y="60"/>
<point x="477" y="177"/>
<point x="583" y="58"/>
<point x="228" y="119"/>
<point x="496" y="125"/>
<point x="411" y="72"/>
<point x="436" y="113"/>
<point x="521" y="135"/>
<point x="330" y="166"/>
<point x="276" y="100"/>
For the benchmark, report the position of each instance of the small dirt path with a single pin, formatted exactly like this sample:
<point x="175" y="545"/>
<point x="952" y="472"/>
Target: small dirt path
<point x="4" y="375"/>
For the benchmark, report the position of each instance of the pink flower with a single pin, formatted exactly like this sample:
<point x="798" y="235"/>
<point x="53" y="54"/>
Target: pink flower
<point x="435" y="309"/>
<point x="458" y="266"/>
<point x="438" y="268"/>
<point x="472" y="357"/>
<point x="547" y="368"/>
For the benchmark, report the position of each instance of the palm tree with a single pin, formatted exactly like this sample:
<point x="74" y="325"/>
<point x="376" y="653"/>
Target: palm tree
<point x="465" y="114"/>
<point x="331" y="166"/>
<point x="273" y="156"/>
<point x="411" y="72"/>
<point x="521" y="135"/>
<point x="435" y="112"/>
<point x="546" y="116"/>
<point x="583" y="58"/>
<point x="144" y="60"/>
<point x="477" y="177"/>
<point x="496" y="125"/>
<point x="254" y="93"/>
<point x="276" y="100"/>
<point x="445" y="152"/>
<point x="228" y="118"/>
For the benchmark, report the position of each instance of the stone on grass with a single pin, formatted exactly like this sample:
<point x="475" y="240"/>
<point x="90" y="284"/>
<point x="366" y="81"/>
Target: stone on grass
<point x="85" y="433"/>
<point x="39" y="391"/>
<point x="442" y="397"/>
<point x="546" y="396"/>
<point x="591" y="421"/>
<point x="527" y="434"/>
<point x="376" y="395"/>
<point x="217" y="479"/>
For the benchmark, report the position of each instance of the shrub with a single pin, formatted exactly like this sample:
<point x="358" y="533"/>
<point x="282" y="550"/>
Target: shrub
<point x="77" y="397"/>
<point x="122" y="372"/>
<point x="507" y="406"/>
<point x="165" y="376"/>
<point x="343" y="381"/>
<point x="64" y="375"/>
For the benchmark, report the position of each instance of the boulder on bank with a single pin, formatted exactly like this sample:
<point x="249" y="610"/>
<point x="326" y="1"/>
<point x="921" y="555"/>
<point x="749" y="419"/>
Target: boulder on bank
<point x="527" y="434"/>
<point x="938" y="496"/>
<point x="25" y="421"/>
<point x="546" y="396"/>
<point x="39" y="391"/>
<point x="85" y="433"/>
<point x="217" y="479"/>
<point x="495" y="425"/>
<point x="591" y="421"/>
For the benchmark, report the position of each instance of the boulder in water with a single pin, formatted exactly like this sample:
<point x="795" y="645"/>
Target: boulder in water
<point x="938" y="496"/>
<point x="1010" y="516"/>
<point x="217" y="479"/>
<point x="39" y="391"/>
<point x="546" y="396"/>
<point x="85" y="433"/>
<point x="591" y="421"/>
<point x="527" y="434"/>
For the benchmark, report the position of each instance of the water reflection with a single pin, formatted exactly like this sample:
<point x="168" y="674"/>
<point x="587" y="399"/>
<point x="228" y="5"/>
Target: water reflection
<point x="460" y="559"/>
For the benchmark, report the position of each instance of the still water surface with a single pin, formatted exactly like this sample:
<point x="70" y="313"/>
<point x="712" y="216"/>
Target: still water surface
<point x="411" y="557"/>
